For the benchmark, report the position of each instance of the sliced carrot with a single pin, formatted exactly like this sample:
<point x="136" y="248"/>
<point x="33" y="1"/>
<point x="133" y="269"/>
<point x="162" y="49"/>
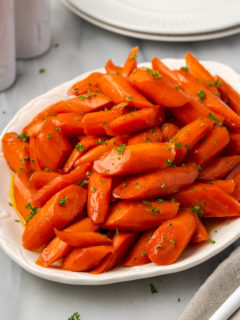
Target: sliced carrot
<point x="156" y="184"/>
<point x="70" y="124"/>
<point x="33" y="128"/>
<point x="218" y="168"/>
<point x="234" y="145"/>
<point x="208" y="201"/>
<point x="83" y="238"/>
<point x="22" y="193"/>
<point x="150" y="135"/>
<point x="56" y="249"/>
<point x="99" y="195"/>
<point x="212" y="146"/>
<point x="103" y="147"/>
<point x="138" y="254"/>
<point x="16" y="151"/>
<point x="118" y="89"/>
<point x="139" y="215"/>
<point x="34" y="163"/>
<point x="227" y="185"/>
<point x="122" y="243"/>
<point x="85" y="84"/>
<point x="194" y="110"/>
<point x="188" y="136"/>
<point x="199" y="72"/>
<point x="230" y="96"/>
<point x="235" y="175"/>
<point x="111" y="68"/>
<point x="169" y="130"/>
<point x="137" y="158"/>
<point x="84" y="259"/>
<point x="136" y="121"/>
<point x="157" y="88"/>
<point x="58" y="212"/>
<point x="39" y="178"/>
<point x="94" y="122"/>
<point x="164" y="70"/>
<point x="85" y="143"/>
<point x="131" y="63"/>
<point x="213" y="102"/>
<point x="171" y="238"/>
<point x="52" y="147"/>
<point x="58" y="183"/>
<point x="200" y="233"/>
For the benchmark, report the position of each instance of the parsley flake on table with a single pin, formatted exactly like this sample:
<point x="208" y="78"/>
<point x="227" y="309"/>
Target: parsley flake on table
<point x="153" y="288"/>
<point x="42" y="70"/>
<point x="75" y="316"/>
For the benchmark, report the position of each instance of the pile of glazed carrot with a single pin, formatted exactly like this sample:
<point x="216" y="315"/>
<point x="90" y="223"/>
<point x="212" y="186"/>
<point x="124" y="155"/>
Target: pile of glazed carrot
<point x="129" y="168"/>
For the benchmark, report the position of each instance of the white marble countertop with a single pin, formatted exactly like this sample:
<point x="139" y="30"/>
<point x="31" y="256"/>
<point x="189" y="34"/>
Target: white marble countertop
<point x="83" y="47"/>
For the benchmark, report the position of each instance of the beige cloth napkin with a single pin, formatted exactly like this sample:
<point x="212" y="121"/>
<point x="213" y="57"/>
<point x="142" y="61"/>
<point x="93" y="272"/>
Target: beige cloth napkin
<point x="217" y="288"/>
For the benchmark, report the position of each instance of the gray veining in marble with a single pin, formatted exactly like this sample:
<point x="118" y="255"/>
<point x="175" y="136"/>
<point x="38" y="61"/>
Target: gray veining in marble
<point x="83" y="47"/>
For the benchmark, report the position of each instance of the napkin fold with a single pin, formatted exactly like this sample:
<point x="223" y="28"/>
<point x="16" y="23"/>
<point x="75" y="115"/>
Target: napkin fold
<point x="217" y="288"/>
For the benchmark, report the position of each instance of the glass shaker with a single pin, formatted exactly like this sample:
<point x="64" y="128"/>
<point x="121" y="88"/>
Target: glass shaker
<point x="7" y="44"/>
<point x="32" y="27"/>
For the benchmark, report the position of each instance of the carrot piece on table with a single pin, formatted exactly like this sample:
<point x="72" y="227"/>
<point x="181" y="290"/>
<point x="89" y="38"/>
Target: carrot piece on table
<point x="85" y="84"/>
<point x="212" y="146"/>
<point x="200" y="234"/>
<point x="39" y="178"/>
<point x="139" y="215"/>
<point x="227" y="185"/>
<point x="103" y="147"/>
<point x="58" y="212"/>
<point x="34" y="163"/>
<point x="83" y="238"/>
<point x="218" y="168"/>
<point x="70" y="124"/>
<point x="94" y="122"/>
<point x="119" y="89"/>
<point x="164" y="70"/>
<point x="99" y="195"/>
<point x="52" y="147"/>
<point x="136" y="121"/>
<point x="122" y="243"/>
<point x="172" y="237"/>
<point x="230" y="96"/>
<point x="85" y="259"/>
<point x="58" y="183"/>
<point x="150" y="135"/>
<point x="188" y="136"/>
<point x="57" y="249"/>
<point x="193" y="110"/>
<point x="208" y="201"/>
<point x="213" y="102"/>
<point x="131" y="63"/>
<point x="85" y="143"/>
<point x="156" y="184"/>
<point x="157" y="88"/>
<point x="199" y="72"/>
<point x="111" y="68"/>
<point x="169" y="130"/>
<point x="138" y="254"/>
<point x="137" y="158"/>
<point x="16" y="151"/>
<point x="22" y="193"/>
<point x="234" y="145"/>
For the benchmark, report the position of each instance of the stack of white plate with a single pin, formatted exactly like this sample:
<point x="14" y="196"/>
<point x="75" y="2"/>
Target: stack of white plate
<point x="171" y="20"/>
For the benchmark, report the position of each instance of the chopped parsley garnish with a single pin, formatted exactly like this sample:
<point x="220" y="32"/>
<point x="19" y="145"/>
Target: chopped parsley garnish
<point x="217" y="83"/>
<point x="143" y="253"/>
<point x="138" y="185"/>
<point x="173" y="242"/>
<point x="102" y="142"/>
<point x="58" y="129"/>
<point x="159" y="246"/>
<point x="10" y="204"/>
<point x="133" y="56"/>
<point x="153" y="288"/>
<point x="124" y="185"/>
<point x="155" y="73"/>
<point x="196" y="208"/>
<point x="197" y="166"/>
<point x="214" y="119"/>
<point x="163" y="185"/>
<point x="82" y="182"/>
<point x="49" y="136"/>
<point x="24" y="137"/>
<point x="147" y="203"/>
<point x="79" y="147"/>
<point x="121" y="148"/>
<point x="169" y="162"/>
<point x="85" y="96"/>
<point x="47" y="169"/>
<point x="211" y="241"/>
<point x="185" y="68"/>
<point x="176" y="87"/>
<point x="62" y="201"/>
<point x="32" y="213"/>
<point x="179" y="145"/>
<point x="201" y="95"/>
<point x="94" y="189"/>
<point x="159" y="200"/>
<point x="117" y="232"/>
